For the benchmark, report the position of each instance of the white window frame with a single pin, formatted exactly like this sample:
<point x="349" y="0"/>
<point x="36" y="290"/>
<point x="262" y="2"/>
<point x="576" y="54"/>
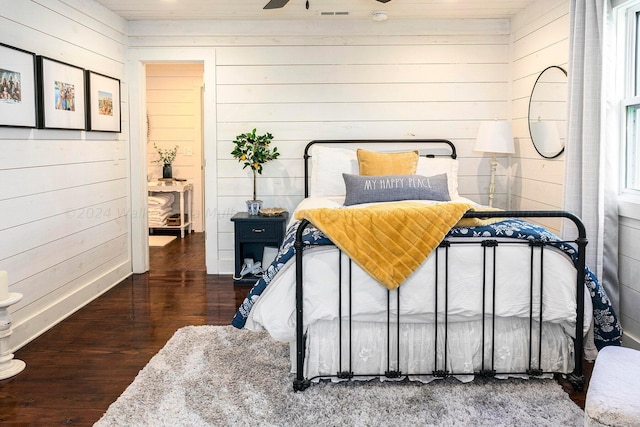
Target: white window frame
<point x="628" y="61"/>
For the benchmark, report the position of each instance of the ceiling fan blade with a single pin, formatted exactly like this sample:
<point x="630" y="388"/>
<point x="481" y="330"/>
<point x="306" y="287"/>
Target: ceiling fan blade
<point x="277" y="4"/>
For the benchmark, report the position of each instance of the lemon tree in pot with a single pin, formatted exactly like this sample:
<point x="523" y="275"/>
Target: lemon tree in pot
<point x="253" y="151"/>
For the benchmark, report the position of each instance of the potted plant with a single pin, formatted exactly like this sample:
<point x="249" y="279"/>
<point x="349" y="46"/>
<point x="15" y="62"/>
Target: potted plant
<point x="253" y="151"/>
<point x="166" y="157"/>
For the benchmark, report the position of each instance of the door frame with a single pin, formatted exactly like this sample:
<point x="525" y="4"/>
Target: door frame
<point x="137" y="58"/>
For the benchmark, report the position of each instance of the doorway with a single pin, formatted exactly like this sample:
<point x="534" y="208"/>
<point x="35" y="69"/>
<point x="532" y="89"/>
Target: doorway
<point x="174" y="122"/>
<point x="142" y="151"/>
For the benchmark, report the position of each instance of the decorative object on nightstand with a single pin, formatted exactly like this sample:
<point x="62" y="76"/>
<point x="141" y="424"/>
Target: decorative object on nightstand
<point x="166" y="157"/>
<point x="253" y="151"/>
<point x="8" y="365"/>
<point x="256" y="237"/>
<point x="494" y="137"/>
<point x="272" y="211"/>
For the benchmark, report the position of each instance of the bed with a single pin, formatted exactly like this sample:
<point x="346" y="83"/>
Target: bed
<point x="492" y="294"/>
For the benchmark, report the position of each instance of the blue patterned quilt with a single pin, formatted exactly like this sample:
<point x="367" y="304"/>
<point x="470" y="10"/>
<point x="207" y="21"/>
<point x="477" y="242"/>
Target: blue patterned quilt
<point x="607" y="330"/>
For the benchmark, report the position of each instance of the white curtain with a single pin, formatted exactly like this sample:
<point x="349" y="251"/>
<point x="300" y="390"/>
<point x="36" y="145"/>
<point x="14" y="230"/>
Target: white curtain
<point x="591" y="165"/>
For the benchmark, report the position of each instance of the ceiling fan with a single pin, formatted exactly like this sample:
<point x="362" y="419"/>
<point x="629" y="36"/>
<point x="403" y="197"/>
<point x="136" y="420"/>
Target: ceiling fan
<point x="277" y="4"/>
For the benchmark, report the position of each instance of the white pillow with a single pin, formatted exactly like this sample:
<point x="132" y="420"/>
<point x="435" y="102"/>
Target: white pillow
<point x="327" y="166"/>
<point x="430" y="166"/>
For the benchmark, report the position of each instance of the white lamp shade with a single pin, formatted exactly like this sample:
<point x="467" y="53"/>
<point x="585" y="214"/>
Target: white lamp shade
<point x="495" y="137"/>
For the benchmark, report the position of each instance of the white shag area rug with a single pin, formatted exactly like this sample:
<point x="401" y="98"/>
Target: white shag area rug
<point x="222" y="376"/>
<point x="160" y="240"/>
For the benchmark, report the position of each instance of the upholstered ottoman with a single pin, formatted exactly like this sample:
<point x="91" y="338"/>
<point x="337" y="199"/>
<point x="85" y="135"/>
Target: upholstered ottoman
<point x="613" y="397"/>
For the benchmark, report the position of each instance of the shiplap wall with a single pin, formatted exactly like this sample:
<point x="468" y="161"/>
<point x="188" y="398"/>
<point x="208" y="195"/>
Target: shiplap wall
<point x="174" y="108"/>
<point x="629" y="271"/>
<point x="64" y="236"/>
<point x="540" y="38"/>
<point x="329" y="80"/>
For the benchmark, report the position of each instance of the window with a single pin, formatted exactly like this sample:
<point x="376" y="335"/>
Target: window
<point x="632" y="181"/>
<point x="628" y="23"/>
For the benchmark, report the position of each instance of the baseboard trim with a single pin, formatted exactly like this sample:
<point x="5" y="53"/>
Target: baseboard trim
<point x="225" y="266"/>
<point x="26" y="330"/>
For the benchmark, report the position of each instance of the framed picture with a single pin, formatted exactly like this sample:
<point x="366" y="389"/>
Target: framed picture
<point x="103" y="103"/>
<point x="61" y="95"/>
<point x="18" y="90"/>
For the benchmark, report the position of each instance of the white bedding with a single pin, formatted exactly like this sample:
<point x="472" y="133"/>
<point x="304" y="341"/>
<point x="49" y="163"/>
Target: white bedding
<point x="274" y="310"/>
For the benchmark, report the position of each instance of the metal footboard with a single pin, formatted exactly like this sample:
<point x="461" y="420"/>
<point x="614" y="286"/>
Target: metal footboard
<point x="576" y="378"/>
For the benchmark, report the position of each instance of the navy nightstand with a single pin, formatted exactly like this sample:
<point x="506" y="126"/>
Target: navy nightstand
<point x="252" y="233"/>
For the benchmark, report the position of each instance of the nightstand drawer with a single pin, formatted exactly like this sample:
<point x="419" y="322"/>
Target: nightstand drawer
<point x="260" y="230"/>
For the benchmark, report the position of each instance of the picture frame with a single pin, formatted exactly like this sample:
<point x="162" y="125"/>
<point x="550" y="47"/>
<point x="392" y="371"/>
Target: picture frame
<point x="62" y="100"/>
<point x="103" y="103"/>
<point x="18" y="87"/>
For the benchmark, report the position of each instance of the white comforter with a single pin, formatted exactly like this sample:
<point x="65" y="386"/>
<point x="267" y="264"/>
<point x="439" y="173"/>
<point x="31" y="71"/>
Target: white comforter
<point x="274" y="310"/>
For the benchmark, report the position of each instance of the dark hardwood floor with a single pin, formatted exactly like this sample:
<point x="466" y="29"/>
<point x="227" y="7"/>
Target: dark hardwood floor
<point x="79" y="367"/>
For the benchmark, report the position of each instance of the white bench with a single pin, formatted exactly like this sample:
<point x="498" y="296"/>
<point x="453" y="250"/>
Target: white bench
<point x="613" y="397"/>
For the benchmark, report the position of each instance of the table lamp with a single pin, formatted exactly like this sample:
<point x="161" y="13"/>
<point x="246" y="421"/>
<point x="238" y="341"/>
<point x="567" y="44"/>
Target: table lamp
<point x="494" y="137"/>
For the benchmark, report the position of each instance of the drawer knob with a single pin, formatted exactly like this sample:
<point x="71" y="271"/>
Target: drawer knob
<point x="258" y="230"/>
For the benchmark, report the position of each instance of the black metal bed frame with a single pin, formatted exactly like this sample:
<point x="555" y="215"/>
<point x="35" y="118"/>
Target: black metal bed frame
<point x="576" y="378"/>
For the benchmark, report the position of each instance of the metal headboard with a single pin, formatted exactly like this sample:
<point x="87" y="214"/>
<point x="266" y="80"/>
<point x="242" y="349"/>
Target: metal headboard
<point x="441" y="143"/>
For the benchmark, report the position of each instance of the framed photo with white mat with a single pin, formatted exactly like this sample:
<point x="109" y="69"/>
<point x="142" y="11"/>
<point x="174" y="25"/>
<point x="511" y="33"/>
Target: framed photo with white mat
<point x="103" y="103"/>
<point x="18" y="89"/>
<point x="61" y="95"/>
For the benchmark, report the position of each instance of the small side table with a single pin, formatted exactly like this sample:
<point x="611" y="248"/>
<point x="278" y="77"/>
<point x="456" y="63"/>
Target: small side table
<point x="251" y="234"/>
<point x="8" y="365"/>
<point x="185" y="196"/>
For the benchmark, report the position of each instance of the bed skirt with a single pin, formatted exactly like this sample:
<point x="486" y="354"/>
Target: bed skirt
<point x="466" y="355"/>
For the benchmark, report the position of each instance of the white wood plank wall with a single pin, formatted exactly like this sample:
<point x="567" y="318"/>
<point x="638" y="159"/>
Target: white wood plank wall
<point x="431" y="79"/>
<point x="437" y="88"/>
<point x="629" y="271"/>
<point x="64" y="205"/>
<point x="434" y="89"/>
<point x="540" y="38"/>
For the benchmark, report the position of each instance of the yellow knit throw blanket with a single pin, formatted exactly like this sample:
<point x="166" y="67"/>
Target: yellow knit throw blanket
<point x="389" y="241"/>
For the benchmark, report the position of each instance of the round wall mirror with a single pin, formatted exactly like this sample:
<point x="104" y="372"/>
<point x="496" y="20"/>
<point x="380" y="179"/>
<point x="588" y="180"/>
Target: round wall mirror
<point x="548" y="112"/>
